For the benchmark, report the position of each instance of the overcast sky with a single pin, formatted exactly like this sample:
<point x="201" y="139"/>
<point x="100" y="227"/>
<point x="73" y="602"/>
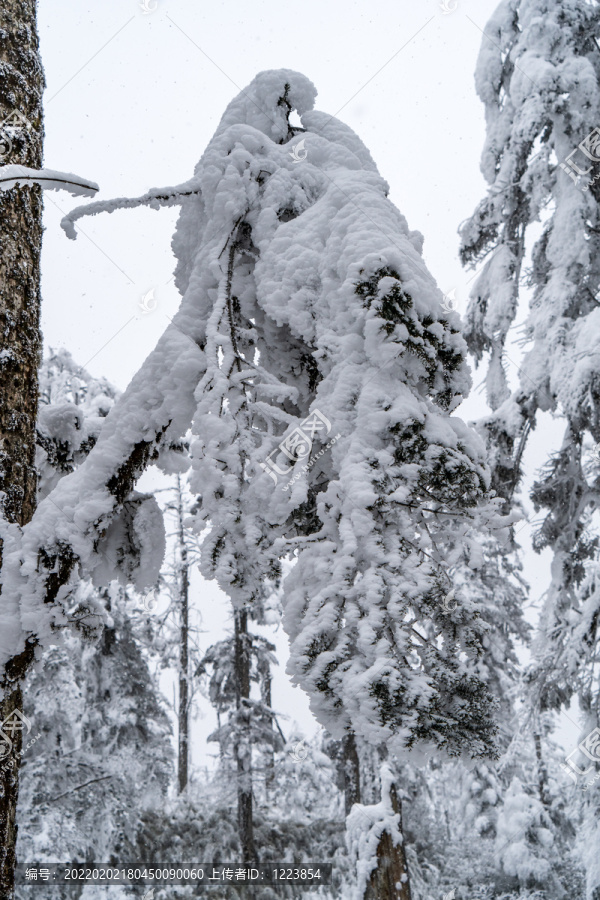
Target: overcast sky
<point x="134" y="95"/>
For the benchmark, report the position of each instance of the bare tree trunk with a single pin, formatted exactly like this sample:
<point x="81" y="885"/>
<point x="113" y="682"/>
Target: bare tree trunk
<point x="392" y="868"/>
<point x="221" y="747"/>
<point x="184" y="585"/>
<point x="242" y="743"/>
<point x="264" y="672"/>
<point x="21" y="139"/>
<point x="542" y="772"/>
<point x="351" y="765"/>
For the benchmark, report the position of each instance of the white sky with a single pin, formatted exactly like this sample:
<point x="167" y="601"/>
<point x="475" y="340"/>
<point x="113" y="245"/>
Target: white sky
<point x="133" y="98"/>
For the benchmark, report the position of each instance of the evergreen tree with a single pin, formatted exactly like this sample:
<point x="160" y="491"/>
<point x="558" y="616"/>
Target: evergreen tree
<point x="104" y="758"/>
<point x="302" y="320"/>
<point x="538" y="76"/>
<point x="244" y="730"/>
<point x="103" y="754"/>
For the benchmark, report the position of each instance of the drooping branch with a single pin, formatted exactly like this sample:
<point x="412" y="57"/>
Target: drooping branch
<point x="155" y="198"/>
<point x="67" y="530"/>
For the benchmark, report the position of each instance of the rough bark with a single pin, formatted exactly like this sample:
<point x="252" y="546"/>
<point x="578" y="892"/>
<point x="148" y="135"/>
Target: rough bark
<point x="351" y="773"/>
<point x="392" y="868"/>
<point x="264" y="674"/>
<point x="21" y="141"/>
<point x="542" y="772"/>
<point x="183" y="713"/>
<point x="242" y="744"/>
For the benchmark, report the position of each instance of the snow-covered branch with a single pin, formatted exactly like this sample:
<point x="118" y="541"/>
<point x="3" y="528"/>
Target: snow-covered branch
<point x="155" y="198"/>
<point x="48" y="179"/>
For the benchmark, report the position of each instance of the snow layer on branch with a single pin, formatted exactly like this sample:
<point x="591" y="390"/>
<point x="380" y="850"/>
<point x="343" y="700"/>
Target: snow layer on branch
<point x="304" y="291"/>
<point x="155" y="198"/>
<point x="538" y="78"/>
<point x="542" y="99"/>
<point x="321" y="303"/>
<point x="266" y="103"/>
<point x="67" y="529"/>
<point x="48" y="179"/>
<point x="156" y="408"/>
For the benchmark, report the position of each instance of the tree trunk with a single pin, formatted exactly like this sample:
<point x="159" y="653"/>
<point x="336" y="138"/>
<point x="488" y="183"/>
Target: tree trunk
<point x="242" y="745"/>
<point x="264" y="673"/>
<point x="184" y="585"/>
<point x="21" y="138"/>
<point x="392" y="868"/>
<point x="351" y="772"/>
<point x="542" y="772"/>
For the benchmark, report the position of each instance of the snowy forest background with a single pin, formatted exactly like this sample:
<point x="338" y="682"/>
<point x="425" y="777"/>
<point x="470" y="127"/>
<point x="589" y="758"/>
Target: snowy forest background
<point x="155" y="741"/>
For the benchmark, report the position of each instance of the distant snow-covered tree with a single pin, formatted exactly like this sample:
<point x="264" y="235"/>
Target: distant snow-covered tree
<point x="246" y="725"/>
<point x="105" y="754"/>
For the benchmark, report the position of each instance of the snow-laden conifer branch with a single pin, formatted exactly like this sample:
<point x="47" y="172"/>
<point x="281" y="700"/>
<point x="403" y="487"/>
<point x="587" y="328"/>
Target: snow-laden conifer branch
<point x="48" y="179"/>
<point x="71" y="526"/>
<point x="155" y="198"/>
<point x="538" y="77"/>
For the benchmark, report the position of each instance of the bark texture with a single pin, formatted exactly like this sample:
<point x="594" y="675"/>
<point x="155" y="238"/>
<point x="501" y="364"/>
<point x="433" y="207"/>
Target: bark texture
<point x="242" y="742"/>
<point x="392" y="868"/>
<point x="351" y="773"/>
<point x="21" y="142"/>
<point x="184" y="700"/>
<point x="264" y="675"/>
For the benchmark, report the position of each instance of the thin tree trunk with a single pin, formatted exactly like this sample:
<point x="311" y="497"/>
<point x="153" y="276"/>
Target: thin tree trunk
<point x="221" y="747"/>
<point x="265" y="692"/>
<point x="184" y="584"/>
<point x="542" y="772"/>
<point x="21" y="87"/>
<point x="392" y="868"/>
<point x="242" y="743"/>
<point x="351" y="772"/>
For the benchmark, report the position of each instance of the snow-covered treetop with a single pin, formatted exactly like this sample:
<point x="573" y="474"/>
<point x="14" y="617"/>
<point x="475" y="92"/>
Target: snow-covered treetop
<point x="267" y="102"/>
